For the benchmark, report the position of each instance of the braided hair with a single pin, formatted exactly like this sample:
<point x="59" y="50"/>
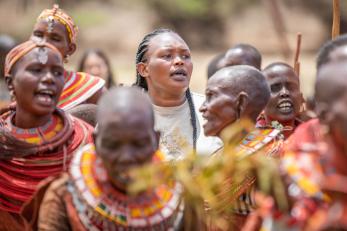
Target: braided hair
<point x="141" y="81"/>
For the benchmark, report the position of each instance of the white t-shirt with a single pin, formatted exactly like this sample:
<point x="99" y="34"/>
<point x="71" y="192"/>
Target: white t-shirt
<point x="176" y="130"/>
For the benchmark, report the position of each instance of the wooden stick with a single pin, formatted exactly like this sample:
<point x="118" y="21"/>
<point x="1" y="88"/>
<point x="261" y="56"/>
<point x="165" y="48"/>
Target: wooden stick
<point x="336" y="19"/>
<point x="297" y="54"/>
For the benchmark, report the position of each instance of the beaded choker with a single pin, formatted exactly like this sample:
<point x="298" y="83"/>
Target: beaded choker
<point x="101" y="206"/>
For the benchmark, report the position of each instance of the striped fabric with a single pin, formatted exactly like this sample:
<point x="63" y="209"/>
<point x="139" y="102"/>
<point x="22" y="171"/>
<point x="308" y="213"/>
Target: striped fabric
<point x="78" y="88"/>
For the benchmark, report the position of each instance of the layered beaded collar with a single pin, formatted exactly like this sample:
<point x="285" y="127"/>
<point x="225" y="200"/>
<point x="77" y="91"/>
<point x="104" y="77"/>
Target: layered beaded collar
<point x="101" y="206"/>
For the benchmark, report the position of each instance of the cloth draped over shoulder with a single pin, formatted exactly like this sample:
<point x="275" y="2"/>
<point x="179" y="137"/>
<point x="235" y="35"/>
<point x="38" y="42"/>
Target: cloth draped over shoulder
<point x="266" y="141"/>
<point x="49" y="150"/>
<point x="309" y="175"/>
<point x="78" y="87"/>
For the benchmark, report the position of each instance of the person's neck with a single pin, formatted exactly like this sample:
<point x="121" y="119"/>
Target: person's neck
<point x="166" y="100"/>
<point x="288" y="124"/>
<point x="25" y="120"/>
<point x="339" y="157"/>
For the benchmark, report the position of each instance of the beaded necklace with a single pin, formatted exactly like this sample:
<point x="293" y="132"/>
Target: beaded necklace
<point x="101" y="206"/>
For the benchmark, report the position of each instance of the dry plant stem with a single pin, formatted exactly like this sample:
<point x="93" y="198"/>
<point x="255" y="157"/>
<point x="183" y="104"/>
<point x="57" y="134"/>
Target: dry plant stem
<point x="336" y="19"/>
<point x="297" y="54"/>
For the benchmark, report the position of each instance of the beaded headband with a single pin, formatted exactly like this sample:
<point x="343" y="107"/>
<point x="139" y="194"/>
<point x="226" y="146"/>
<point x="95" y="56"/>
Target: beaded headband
<point x="58" y="14"/>
<point x="22" y="49"/>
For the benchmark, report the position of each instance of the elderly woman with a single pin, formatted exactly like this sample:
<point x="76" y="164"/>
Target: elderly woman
<point x="94" y="195"/>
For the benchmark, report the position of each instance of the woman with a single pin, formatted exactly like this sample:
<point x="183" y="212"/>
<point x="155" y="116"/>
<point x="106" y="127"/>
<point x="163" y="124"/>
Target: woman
<point x="94" y="195"/>
<point x="56" y="27"/>
<point x="164" y="68"/>
<point x="95" y="62"/>
<point x="37" y="139"/>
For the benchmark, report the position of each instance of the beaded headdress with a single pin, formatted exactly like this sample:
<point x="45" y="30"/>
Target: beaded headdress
<point x="59" y="15"/>
<point x="22" y="49"/>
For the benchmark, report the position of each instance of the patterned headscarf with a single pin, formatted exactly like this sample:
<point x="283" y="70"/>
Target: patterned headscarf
<point x="22" y="49"/>
<point x="59" y="15"/>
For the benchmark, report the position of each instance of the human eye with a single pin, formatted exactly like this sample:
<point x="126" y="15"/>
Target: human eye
<point x="56" y="38"/>
<point x="35" y="69"/>
<point x="110" y="145"/>
<point x="275" y="87"/>
<point x="166" y="56"/>
<point x="186" y="56"/>
<point x="38" y="34"/>
<point x="58" y="72"/>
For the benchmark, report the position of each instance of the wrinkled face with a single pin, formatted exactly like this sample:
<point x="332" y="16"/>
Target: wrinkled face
<point x="124" y="142"/>
<point x="286" y="98"/>
<point x="58" y="36"/>
<point x="37" y="86"/>
<point x="219" y="108"/>
<point x="169" y="66"/>
<point x="96" y="66"/>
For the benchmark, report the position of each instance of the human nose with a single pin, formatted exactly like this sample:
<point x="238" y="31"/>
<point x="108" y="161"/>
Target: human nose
<point x="178" y="60"/>
<point x="48" y="78"/>
<point x="126" y="156"/>
<point x="284" y="92"/>
<point x="203" y="107"/>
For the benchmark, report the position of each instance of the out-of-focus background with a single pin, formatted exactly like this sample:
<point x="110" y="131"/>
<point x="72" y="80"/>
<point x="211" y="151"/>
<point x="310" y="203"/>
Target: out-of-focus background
<point x="208" y="26"/>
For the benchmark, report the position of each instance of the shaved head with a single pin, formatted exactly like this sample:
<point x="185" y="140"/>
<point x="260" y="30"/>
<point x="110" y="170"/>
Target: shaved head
<point x="244" y="78"/>
<point x="125" y="137"/>
<point x="124" y="103"/>
<point x="331" y="82"/>
<point x="241" y="54"/>
<point x="232" y="93"/>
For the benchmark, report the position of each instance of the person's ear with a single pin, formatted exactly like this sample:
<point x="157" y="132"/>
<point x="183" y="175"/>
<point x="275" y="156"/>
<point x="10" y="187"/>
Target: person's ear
<point x="323" y="113"/>
<point x="241" y="103"/>
<point x="10" y="86"/>
<point x="72" y="49"/>
<point x="142" y="69"/>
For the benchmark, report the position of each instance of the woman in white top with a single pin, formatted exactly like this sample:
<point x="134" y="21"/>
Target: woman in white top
<point x="164" y="68"/>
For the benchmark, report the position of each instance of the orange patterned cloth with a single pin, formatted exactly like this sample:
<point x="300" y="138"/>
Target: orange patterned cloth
<point x="58" y="14"/>
<point x="22" y="49"/>
<point x="311" y="179"/>
<point x="79" y="86"/>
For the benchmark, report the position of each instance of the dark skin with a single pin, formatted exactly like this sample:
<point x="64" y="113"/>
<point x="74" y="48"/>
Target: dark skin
<point x="228" y="98"/>
<point x="167" y="69"/>
<point x="286" y="97"/>
<point x="331" y="98"/>
<point x="221" y="106"/>
<point x="237" y="56"/>
<point x="36" y="87"/>
<point x="59" y="38"/>
<point x="339" y="53"/>
<point x="125" y="137"/>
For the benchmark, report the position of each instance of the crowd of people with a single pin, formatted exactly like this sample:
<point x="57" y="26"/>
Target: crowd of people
<point x="69" y="141"/>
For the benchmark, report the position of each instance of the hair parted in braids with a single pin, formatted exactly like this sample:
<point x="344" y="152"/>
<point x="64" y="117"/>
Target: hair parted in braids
<point x="141" y="81"/>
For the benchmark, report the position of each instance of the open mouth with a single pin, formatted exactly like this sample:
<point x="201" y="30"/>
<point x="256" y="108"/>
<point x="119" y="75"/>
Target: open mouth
<point x="179" y="74"/>
<point x="285" y="107"/>
<point x="45" y="96"/>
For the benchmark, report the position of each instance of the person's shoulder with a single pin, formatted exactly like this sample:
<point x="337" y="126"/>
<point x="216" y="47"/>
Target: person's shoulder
<point x="58" y="184"/>
<point x="305" y="135"/>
